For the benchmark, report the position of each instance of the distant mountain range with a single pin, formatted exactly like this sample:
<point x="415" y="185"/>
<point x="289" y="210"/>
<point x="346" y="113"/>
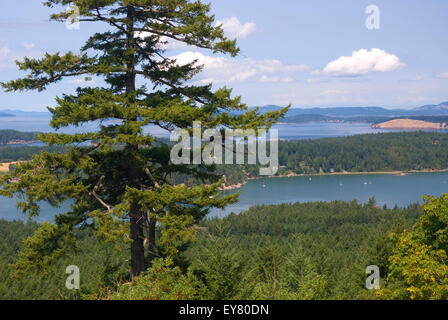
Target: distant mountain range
<point x="20" y="113"/>
<point x="358" y="114"/>
<point x="435" y="108"/>
<point x="4" y="115"/>
<point x="352" y="114"/>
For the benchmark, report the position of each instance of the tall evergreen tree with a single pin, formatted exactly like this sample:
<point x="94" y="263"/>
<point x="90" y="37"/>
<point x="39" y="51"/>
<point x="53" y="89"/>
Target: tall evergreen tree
<point x="120" y="184"/>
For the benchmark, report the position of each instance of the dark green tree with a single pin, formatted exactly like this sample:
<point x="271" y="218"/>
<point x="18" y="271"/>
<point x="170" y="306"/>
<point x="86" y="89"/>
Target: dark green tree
<point x="119" y="184"/>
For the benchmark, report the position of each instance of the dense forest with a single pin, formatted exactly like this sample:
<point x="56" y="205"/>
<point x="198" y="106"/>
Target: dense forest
<point x="290" y="251"/>
<point x="104" y="265"/>
<point x="367" y="153"/>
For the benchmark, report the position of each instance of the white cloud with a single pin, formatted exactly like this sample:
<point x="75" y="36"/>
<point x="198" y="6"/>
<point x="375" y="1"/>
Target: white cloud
<point x="276" y="79"/>
<point x="333" y="92"/>
<point x="234" y="29"/>
<point x="80" y="81"/>
<point x="226" y="70"/>
<point x="6" y="59"/>
<point x="4" y="53"/>
<point x="313" y="80"/>
<point x="28" y="46"/>
<point x="443" y="75"/>
<point x="173" y="44"/>
<point x="362" y="62"/>
<point x="389" y="92"/>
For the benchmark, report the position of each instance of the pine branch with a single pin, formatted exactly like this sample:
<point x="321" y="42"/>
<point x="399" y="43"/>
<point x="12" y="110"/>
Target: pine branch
<point x="93" y="193"/>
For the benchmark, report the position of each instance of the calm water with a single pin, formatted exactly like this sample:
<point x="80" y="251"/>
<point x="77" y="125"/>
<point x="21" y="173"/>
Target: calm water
<point x="387" y="189"/>
<point x="313" y="130"/>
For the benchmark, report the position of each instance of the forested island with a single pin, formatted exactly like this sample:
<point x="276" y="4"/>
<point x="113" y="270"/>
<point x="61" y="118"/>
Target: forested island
<point x="382" y="152"/>
<point x="17" y="137"/>
<point x="367" y="153"/>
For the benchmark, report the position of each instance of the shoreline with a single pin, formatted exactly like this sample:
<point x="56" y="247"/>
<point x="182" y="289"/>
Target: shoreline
<point x="395" y="173"/>
<point x="4" y="169"/>
<point x="19" y="143"/>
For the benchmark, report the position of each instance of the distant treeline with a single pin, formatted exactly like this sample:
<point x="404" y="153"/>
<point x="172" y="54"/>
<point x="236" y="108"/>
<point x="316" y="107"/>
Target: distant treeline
<point x="367" y="153"/>
<point x="8" y="154"/>
<point x="396" y="151"/>
<point x="381" y="152"/>
<point x="7" y="136"/>
<point x="304" y="118"/>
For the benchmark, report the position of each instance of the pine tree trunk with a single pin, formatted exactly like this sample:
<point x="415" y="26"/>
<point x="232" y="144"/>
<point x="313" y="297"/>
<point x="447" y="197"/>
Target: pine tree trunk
<point x="137" y="245"/>
<point x="152" y="249"/>
<point x="137" y="218"/>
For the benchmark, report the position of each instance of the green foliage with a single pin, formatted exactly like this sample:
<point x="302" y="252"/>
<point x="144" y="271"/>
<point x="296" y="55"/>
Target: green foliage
<point x="163" y="281"/>
<point x="102" y="267"/>
<point x="221" y="269"/>
<point x="419" y="261"/>
<point x="300" y="251"/>
<point x="47" y="244"/>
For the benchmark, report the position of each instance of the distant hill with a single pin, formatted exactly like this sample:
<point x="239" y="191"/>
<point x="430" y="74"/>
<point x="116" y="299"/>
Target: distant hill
<point x="434" y="108"/>
<point x="371" y="114"/>
<point x="20" y="113"/>
<point x="303" y="118"/>
<point x="16" y="137"/>
<point x="410" y="124"/>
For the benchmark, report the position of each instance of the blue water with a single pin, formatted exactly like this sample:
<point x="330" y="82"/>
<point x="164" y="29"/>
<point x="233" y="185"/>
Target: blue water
<point x="387" y="189"/>
<point x="313" y="130"/>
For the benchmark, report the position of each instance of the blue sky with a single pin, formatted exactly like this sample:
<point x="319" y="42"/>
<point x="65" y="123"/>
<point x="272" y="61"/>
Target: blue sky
<point x="307" y="53"/>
